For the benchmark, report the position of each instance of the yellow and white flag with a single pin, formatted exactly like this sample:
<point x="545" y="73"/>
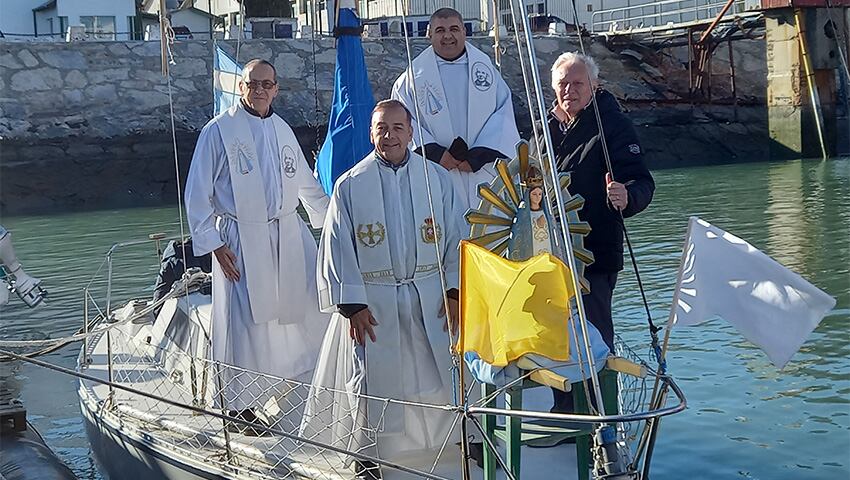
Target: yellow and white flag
<point x="723" y="275"/>
<point x="510" y="308"/>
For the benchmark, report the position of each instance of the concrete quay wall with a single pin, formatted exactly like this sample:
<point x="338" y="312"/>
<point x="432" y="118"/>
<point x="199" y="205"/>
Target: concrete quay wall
<point x="87" y="125"/>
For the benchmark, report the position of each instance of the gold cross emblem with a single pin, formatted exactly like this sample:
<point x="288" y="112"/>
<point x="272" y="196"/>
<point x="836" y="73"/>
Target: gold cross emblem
<point x="371" y="234"/>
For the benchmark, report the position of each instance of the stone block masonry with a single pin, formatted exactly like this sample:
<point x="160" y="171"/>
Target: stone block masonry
<point x="87" y="125"/>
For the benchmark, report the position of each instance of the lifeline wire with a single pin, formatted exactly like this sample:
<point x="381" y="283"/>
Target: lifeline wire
<point x="226" y="418"/>
<point x="457" y="366"/>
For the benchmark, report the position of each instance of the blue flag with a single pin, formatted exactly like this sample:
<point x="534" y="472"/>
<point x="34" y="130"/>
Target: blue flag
<point x="348" y="123"/>
<point x="226" y="76"/>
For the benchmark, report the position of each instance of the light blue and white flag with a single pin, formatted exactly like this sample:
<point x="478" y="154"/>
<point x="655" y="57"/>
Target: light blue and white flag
<point x="226" y="75"/>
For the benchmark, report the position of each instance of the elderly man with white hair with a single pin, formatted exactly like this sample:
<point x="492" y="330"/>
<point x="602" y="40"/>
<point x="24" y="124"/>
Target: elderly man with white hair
<point x="611" y="193"/>
<point x="248" y="175"/>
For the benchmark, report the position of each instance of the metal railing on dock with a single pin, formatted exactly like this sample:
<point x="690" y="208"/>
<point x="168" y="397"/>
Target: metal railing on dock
<point x="664" y="14"/>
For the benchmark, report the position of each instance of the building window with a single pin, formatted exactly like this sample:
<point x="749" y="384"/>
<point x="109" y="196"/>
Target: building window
<point x="101" y="28"/>
<point x="50" y="23"/>
<point x="63" y="25"/>
<point x="589" y="7"/>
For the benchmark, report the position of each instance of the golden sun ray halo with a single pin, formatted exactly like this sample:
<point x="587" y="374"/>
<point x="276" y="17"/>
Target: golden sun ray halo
<point x="502" y="197"/>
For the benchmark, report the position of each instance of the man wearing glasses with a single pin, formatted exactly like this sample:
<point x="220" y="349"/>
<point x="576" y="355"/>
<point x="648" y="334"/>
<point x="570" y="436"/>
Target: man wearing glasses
<point x="247" y="177"/>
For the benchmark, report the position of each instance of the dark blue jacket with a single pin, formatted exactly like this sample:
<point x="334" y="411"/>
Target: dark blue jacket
<point x="172" y="266"/>
<point x="578" y="150"/>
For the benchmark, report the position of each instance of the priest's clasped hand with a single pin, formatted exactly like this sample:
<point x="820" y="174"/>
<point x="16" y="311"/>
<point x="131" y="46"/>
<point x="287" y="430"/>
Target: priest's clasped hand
<point x="448" y="162"/>
<point x="361" y="324"/>
<point x="227" y="259"/>
<point x="453" y="319"/>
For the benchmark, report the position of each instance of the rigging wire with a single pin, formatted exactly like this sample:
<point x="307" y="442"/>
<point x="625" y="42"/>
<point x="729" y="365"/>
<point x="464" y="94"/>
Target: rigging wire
<point x="564" y="230"/>
<point x="316" y="111"/>
<point x="418" y="116"/>
<point x="651" y="426"/>
<point x="536" y="133"/>
<point x="458" y="382"/>
<point x="167" y="44"/>
<point x="653" y="329"/>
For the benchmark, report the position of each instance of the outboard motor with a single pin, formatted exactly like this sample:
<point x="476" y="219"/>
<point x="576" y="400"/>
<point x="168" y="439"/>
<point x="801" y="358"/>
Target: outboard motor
<point x="13" y="276"/>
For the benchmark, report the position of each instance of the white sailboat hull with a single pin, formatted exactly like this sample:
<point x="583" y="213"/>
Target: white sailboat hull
<point x="123" y="455"/>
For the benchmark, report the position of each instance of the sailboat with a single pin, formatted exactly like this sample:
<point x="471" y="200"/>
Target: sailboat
<point x="152" y="397"/>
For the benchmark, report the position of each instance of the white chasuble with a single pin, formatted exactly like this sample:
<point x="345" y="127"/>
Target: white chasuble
<point x="378" y="249"/>
<point x="487" y="111"/>
<point x="245" y="182"/>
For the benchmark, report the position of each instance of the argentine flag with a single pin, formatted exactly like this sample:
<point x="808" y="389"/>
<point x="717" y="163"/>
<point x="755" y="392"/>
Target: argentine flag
<point x="226" y="76"/>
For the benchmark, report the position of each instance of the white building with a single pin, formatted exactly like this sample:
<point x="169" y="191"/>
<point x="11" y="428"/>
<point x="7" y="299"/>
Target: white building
<point x="189" y="18"/>
<point x="387" y="14"/>
<point x="36" y="20"/>
<point x="594" y="15"/>
<point x="229" y="10"/>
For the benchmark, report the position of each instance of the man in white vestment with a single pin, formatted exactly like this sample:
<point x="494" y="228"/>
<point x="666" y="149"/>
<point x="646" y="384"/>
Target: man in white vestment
<point x="465" y="107"/>
<point x="245" y="182"/>
<point x="379" y="273"/>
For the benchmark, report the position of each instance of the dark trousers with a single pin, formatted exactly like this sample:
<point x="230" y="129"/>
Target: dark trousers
<point x="597" y="306"/>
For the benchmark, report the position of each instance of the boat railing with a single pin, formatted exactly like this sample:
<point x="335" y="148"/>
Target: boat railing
<point x="183" y="401"/>
<point x="97" y="308"/>
<point x="165" y="387"/>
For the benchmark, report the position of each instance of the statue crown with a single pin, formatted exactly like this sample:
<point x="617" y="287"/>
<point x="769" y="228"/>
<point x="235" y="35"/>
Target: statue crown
<point x="533" y="179"/>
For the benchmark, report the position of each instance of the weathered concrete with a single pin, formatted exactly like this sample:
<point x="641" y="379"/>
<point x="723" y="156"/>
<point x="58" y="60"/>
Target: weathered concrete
<point x="87" y="125"/>
<point x="793" y="127"/>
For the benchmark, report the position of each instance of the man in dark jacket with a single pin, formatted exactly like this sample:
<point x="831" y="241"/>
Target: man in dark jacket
<point x="172" y="266"/>
<point x="626" y="189"/>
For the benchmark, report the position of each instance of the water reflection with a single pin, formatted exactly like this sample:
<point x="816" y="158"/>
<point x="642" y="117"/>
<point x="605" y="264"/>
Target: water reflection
<point x="787" y="223"/>
<point x="797" y="212"/>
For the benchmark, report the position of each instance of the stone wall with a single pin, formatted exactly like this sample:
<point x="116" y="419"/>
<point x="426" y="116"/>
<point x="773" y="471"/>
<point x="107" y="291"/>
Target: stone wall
<point x="87" y="125"/>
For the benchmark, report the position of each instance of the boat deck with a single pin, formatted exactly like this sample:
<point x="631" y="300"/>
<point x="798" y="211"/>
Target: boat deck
<point x="199" y="440"/>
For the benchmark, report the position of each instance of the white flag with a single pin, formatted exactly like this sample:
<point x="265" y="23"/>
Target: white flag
<point x="771" y="306"/>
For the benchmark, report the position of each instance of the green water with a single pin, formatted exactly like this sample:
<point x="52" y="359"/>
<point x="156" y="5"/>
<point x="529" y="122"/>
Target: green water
<point x="746" y="419"/>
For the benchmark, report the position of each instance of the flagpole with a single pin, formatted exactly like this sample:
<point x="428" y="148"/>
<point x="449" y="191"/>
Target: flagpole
<point x="458" y="357"/>
<point x="675" y="303"/>
<point x="656" y="397"/>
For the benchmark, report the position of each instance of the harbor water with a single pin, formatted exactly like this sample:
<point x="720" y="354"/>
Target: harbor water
<point x="746" y="419"/>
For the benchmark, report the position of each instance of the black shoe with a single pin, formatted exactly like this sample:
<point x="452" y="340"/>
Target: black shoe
<point x="248" y="430"/>
<point x="476" y="452"/>
<point x="366" y="470"/>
